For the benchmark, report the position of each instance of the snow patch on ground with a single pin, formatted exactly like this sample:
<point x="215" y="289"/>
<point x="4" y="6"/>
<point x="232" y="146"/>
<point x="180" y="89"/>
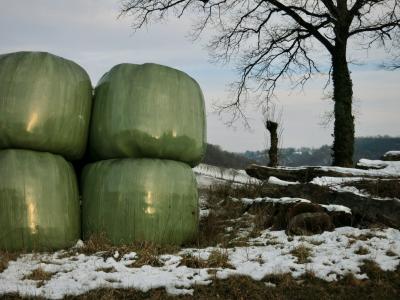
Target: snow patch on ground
<point x="333" y="254"/>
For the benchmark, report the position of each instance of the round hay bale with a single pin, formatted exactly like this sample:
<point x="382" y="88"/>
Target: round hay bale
<point x="39" y="201"/>
<point x="148" y="111"/>
<point x="140" y="200"/>
<point x="45" y="103"/>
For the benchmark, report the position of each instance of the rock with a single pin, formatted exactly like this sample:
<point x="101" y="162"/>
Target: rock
<point x="303" y="207"/>
<point x="274" y="214"/>
<point x="310" y="223"/>
<point x="366" y="211"/>
<point x="300" y="174"/>
<point x="391" y="156"/>
<point x="341" y="218"/>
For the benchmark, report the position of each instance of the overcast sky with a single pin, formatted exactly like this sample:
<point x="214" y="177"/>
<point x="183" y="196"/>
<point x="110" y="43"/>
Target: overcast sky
<point x="90" y="33"/>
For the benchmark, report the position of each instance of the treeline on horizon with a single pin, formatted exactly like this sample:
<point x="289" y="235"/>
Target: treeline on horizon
<point x="365" y="147"/>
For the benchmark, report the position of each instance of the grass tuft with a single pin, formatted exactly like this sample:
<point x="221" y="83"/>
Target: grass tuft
<point x="147" y="252"/>
<point x="302" y="253"/>
<point x="216" y="259"/>
<point x="391" y="253"/>
<point x="39" y="275"/>
<point x="107" y="270"/>
<point x="361" y="251"/>
<point x="219" y="259"/>
<point x="5" y="258"/>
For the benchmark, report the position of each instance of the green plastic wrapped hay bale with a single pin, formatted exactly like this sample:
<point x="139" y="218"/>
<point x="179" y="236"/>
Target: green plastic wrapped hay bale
<point x="45" y="104"/>
<point x="150" y="111"/>
<point x="140" y="200"/>
<point x="39" y="201"/>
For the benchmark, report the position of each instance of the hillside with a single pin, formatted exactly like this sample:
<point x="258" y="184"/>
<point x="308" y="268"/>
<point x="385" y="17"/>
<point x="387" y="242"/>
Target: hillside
<point x="365" y="147"/>
<point x="217" y="157"/>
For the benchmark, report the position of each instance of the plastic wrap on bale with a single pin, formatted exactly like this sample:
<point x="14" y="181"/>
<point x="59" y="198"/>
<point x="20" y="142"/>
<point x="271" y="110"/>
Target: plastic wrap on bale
<point x="45" y="104"/>
<point x="39" y="201"/>
<point x="149" y="111"/>
<point x="130" y="200"/>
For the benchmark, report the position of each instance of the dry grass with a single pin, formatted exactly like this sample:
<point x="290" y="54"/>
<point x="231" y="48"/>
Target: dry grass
<point x="211" y="232"/>
<point x="227" y="211"/>
<point x="361" y="251"/>
<point x="147" y="253"/>
<point x="391" y="253"/>
<point x="229" y="189"/>
<point x="302" y="253"/>
<point x="217" y="259"/>
<point x="193" y="261"/>
<point x="363" y="237"/>
<point x="39" y="275"/>
<point x="5" y="258"/>
<point x="106" y="270"/>
<point x="96" y="243"/>
<point x="224" y="212"/>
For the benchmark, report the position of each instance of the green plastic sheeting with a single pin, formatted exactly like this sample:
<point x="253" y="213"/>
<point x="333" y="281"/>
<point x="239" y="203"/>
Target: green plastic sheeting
<point x="149" y="111"/>
<point x="45" y="104"/>
<point x="39" y="201"/>
<point x="140" y="200"/>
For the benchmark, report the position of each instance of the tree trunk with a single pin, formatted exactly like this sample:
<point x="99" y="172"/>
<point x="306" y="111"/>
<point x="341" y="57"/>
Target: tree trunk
<point x="343" y="144"/>
<point x="273" y="150"/>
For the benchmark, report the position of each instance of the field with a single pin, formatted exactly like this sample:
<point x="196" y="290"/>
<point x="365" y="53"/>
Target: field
<point x="247" y="247"/>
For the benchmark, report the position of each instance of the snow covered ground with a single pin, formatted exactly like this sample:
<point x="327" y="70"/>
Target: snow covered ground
<point x="331" y="254"/>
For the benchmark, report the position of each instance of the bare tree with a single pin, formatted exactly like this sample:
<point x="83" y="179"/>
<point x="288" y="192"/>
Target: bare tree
<point x="273" y="124"/>
<point x="277" y="39"/>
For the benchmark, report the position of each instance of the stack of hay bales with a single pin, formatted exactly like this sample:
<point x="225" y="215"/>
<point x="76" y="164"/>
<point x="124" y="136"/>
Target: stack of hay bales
<point x="147" y="131"/>
<point x="45" y="106"/>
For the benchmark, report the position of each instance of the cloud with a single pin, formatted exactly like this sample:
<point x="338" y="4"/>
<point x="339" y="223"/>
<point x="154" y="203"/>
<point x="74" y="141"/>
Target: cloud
<point x="90" y="33"/>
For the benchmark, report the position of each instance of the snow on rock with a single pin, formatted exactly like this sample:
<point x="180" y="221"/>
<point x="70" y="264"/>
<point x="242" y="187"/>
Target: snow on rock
<point x="333" y="181"/>
<point x="289" y="200"/>
<point x="333" y="254"/>
<point x="338" y="184"/>
<point x="277" y="181"/>
<point x="392" y="156"/>
<point x="335" y="207"/>
<point x="283" y="200"/>
<point x="366" y="163"/>
<point x="392" y="153"/>
<point x="204" y="213"/>
<point x="391" y="168"/>
<point x="207" y="175"/>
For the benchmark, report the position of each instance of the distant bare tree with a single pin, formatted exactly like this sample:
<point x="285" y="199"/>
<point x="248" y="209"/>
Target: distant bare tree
<point x="273" y="124"/>
<point x="274" y="39"/>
